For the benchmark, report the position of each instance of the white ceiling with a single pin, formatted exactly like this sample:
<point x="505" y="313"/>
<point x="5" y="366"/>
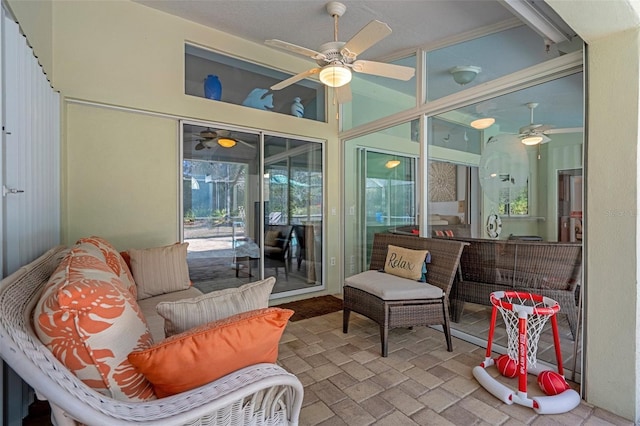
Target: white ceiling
<point x="307" y="23"/>
<point x="414" y="24"/>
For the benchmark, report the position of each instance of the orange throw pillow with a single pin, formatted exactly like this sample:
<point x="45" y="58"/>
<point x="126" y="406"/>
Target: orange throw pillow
<point x="203" y="354"/>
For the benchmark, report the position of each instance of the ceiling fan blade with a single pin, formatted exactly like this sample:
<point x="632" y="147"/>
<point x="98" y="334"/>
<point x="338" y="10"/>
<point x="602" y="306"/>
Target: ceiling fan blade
<point x="529" y="128"/>
<point x="382" y="69"/>
<point x="343" y="93"/>
<point x="199" y="146"/>
<point x="295" y="78"/>
<point x="369" y="35"/>
<point x="295" y="49"/>
<point x="565" y="130"/>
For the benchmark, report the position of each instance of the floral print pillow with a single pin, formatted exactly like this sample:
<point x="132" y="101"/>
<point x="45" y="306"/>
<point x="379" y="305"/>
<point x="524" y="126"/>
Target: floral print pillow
<point x="91" y="322"/>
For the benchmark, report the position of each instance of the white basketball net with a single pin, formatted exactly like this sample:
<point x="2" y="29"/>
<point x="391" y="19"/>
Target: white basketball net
<point x="535" y="324"/>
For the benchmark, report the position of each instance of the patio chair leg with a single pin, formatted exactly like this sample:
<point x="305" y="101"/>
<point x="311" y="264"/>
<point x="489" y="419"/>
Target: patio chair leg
<point x="445" y="326"/>
<point x="384" y="335"/>
<point x="345" y="320"/>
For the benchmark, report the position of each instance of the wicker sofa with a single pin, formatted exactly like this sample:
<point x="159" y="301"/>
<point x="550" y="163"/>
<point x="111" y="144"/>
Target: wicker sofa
<point x="263" y="393"/>
<point x="547" y="268"/>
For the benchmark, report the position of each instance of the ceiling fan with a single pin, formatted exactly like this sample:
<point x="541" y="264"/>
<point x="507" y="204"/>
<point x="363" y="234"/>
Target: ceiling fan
<point x="210" y="138"/>
<point x="336" y="59"/>
<point x="533" y="133"/>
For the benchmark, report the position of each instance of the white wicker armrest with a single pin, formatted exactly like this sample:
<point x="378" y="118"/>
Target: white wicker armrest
<point x="261" y="394"/>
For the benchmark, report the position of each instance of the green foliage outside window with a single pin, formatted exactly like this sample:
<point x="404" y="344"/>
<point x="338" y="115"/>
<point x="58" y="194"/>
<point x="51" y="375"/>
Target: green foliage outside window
<point x="514" y="202"/>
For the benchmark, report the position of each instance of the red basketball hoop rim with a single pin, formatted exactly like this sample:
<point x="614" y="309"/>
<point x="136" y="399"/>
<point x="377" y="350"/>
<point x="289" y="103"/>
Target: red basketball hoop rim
<point x="551" y="307"/>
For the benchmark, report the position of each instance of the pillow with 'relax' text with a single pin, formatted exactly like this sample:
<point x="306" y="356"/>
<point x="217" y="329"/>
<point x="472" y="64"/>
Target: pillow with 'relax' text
<point x="404" y="262"/>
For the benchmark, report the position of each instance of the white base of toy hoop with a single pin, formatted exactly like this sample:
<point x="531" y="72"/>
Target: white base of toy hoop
<point x="556" y="404"/>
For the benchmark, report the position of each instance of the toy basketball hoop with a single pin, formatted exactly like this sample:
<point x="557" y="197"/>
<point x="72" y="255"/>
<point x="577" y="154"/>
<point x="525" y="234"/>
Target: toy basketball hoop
<point x="525" y="315"/>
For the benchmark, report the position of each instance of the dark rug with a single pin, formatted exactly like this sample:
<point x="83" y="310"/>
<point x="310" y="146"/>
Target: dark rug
<point x="313" y="307"/>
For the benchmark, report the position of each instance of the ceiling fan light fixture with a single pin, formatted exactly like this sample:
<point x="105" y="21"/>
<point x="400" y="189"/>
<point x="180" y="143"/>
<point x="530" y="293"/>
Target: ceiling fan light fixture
<point x="482" y="123"/>
<point x="392" y="163"/>
<point x="464" y="74"/>
<point x="335" y="75"/>
<point x="532" y="140"/>
<point x="226" y="142"/>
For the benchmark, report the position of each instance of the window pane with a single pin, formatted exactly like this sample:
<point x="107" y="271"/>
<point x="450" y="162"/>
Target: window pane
<point x="497" y="55"/>
<point x="293" y="200"/>
<point x="380" y="190"/>
<point x="376" y="97"/>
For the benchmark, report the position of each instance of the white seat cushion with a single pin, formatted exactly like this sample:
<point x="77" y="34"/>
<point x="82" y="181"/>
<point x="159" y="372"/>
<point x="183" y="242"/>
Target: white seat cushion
<point x="391" y="287"/>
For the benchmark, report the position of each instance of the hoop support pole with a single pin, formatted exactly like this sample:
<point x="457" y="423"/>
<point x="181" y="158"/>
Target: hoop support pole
<point x="556" y="343"/>
<point x="522" y="352"/>
<point x="492" y="328"/>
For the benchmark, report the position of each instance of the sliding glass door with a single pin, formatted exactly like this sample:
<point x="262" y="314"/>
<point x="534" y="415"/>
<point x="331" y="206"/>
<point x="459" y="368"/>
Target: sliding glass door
<point x="381" y="190"/>
<point x="252" y="208"/>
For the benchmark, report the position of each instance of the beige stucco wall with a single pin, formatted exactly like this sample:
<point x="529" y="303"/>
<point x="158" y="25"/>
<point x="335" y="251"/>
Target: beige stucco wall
<point x="612" y="221"/>
<point x="39" y="27"/>
<point x="612" y="31"/>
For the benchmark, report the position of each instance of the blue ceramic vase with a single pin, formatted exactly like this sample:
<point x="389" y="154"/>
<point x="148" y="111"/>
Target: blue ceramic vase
<point x="212" y="87"/>
<point x="297" y="108"/>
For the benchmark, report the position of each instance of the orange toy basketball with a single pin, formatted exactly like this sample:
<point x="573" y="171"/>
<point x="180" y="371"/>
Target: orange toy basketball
<point x="507" y="366"/>
<point x="552" y="383"/>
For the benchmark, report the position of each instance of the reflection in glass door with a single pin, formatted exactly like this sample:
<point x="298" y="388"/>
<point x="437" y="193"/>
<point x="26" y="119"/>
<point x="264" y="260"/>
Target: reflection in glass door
<point x="219" y="183"/>
<point x="387" y="194"/>
<point x="244" y="221"/>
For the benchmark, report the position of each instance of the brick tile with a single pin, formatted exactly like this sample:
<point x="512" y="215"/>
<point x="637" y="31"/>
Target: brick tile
<point x="342" y="380"/>
<point x="357" y="371"/>
<point x="483" y="411"/>
<point x="394" y="419"/>
<point x="438" y="400"/>
<point x="459" y="416"/>
<point x="327" y="392"/>
<point x="424" y="377"/>
<point x="314" y="414"/>
<point x="390" y="378"/>
<point x="402" y="401"/>
<point x="431" y="418"/>
<point x="377" y="406"/>
<point x="352" y="413"/>
<point x="363" y="390"/>
<point x="460" y="386"/>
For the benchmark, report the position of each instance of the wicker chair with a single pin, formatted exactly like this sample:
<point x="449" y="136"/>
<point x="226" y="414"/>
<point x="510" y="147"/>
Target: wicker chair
<point x="261" y="394"/>
<point x="445" y="258"/>
<point x="277" y="253"/>
<point x="550" y="269"/>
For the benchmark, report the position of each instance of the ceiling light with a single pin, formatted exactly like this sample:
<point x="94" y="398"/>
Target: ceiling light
<point x="392" y="163"/>
<point x="482" y="123"/>
<point x="226" y="142"/>
<point x="335" y="75"/>
<point x="532" y="140"/>
<point x="464" y="74"/>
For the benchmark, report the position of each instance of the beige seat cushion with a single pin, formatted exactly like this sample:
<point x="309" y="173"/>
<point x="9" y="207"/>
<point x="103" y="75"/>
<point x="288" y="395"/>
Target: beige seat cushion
<point x="391" y="287"/>
<point x="154" y="320"/>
